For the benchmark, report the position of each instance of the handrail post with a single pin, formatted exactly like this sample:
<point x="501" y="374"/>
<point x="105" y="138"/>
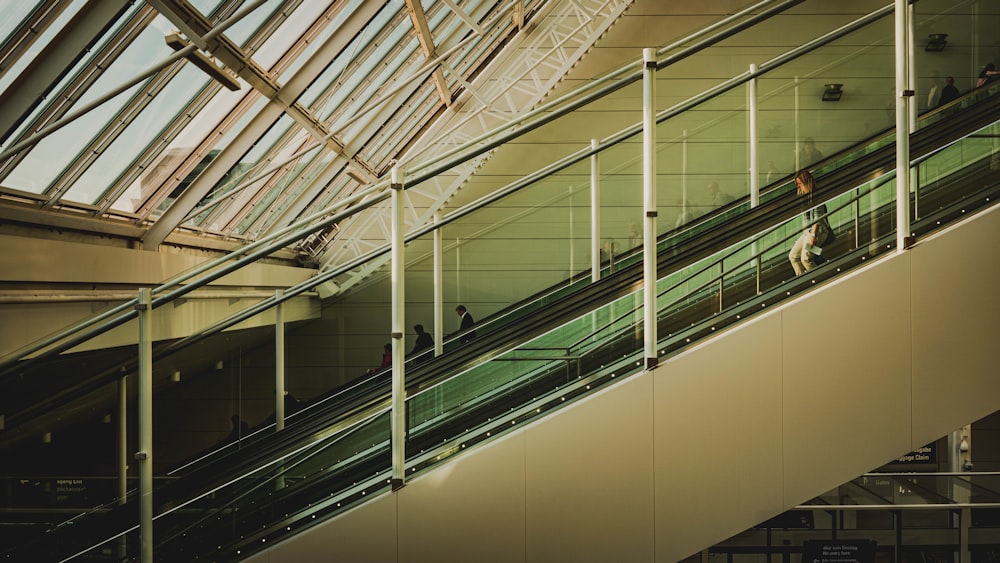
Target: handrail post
<point x="398" y="414"/>
<point x="279" y="361"/>
<point x="145" y="454"/>
<point x="122" y="454"/>
<point x="438" y="287"/>
<point x="595" y="213"/>
<point x="649" y="198"/>
<point x="722" y="281"/>
<point x="754" y="139"/>
<point x="903" y="100"/>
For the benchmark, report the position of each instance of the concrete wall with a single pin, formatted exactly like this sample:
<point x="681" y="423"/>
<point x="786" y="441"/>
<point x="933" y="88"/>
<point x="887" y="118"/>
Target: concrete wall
<point x="761" y="418"/>
<point x="56" y="272"/>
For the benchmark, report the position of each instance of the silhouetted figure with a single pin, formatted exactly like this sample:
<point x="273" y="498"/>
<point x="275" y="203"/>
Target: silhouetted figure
<point x="240" y="428"/>
<point x="467" y="323"/>
<point x="717" y="197"/>
<point x="809" y="154"/>
<point x="424" y="342"/>
<point x="386" y="356"/>
<point x="989" y="75"/>
<point x="949" y="93"/>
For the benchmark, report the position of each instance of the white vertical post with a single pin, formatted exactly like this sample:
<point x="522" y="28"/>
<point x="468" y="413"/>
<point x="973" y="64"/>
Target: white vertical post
<point x="795" y="124"/>
<point x="684" y="174"/>
<point x="754" y="139"/>
<point x="279" y="361"/>
<point x="571" y="266"/>
<point x="595" y="213"/>
<point x="122" y="439"/>
<point x="438" y="288"/>
<point x="145" y="453"/>
<point x="911" y="68"/>
<point x="649" y="204"/>
<point x="398" y="414"/>
<point x="122" y="447"/>
<point x="903" y="99"/>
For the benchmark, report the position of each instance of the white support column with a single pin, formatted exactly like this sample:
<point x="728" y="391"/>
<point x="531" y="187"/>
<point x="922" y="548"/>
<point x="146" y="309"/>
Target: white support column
<point x="438" y="288"/>
<point x="795" y="124"/>
<point x="684" y="174"/>
<point x="398" y="414"/>
<point x="279" y="362"/>
<point x="145" y="454"/>
<point x="571" y="251"/>
<point x="122" y="448"/>
<point x="911" y="68"/>
<point x="904" y="97"/>
<point x="649" y="204"/>
<point x="595" y="213"/>
<point x="122" y="451"/>
<point x="754" y="139"/>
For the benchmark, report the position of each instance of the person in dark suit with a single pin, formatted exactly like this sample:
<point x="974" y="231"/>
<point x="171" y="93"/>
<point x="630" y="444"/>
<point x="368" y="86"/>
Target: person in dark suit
<point x="950" y="92"/>
<point x="424" y="342"/>
<point x="467" y="323"/>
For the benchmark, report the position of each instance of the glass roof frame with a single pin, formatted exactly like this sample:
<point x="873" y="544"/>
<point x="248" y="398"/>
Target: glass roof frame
<point x="446" y="44"/>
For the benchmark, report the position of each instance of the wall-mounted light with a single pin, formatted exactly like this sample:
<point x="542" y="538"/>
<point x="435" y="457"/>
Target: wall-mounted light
<point x="963" y="446"/>
<point x="832" y="92"/>
<point x="937" y="42"/>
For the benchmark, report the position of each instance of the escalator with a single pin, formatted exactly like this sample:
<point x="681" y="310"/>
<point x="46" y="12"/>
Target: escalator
<point x="718" y="271"/>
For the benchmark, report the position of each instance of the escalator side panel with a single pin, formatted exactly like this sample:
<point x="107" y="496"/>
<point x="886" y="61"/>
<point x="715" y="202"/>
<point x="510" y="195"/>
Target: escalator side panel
<point x="726" y="435"/>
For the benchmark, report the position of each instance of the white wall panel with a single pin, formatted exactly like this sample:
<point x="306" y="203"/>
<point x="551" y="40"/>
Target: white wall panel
<point x="365" y="535"/>
<point x="589" y="480"/>
<point x="956" y="305"/>
<point x="846" y="360"/>
<point x="718" y="438"/>
<point x="467" y="509"/>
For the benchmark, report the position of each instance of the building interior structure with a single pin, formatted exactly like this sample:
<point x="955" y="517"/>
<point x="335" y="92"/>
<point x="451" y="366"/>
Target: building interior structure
<point x="237" y="210"/>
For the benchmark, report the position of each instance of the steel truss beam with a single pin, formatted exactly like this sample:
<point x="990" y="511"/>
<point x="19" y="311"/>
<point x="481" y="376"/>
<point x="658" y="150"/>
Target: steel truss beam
<point x="514" y="81"/>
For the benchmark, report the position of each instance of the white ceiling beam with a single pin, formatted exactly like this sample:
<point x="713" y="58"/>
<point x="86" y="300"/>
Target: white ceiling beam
<point x="464" y="17"/>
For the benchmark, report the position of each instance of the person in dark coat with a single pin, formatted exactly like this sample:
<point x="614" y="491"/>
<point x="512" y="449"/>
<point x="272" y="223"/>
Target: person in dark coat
<point x="423" y="343"/>
<point x="467" y="323"/>
<point x="949" y="93"/>
<point x="386" y="356"/>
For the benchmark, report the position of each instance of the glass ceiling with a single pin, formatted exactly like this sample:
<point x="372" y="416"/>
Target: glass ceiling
<point x="110" y="112"/>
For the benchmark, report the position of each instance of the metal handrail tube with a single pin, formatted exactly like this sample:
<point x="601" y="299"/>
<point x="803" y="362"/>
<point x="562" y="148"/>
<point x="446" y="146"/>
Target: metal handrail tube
<point x="277" y="240"/>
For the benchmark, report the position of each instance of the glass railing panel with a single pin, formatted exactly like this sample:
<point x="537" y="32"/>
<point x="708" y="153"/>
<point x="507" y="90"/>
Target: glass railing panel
<point x="967" y="28"/>
<point x="798" y="128"/>
<point x="621" y="201"/>
<point x="475" y="399"/>
<point x="541" y="232"/>
<point x="701" y="159"/>
<point x="348" y="465"/>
